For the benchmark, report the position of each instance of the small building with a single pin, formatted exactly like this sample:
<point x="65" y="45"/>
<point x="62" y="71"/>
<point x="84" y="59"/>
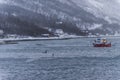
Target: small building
<point x="12" y="36"/>
<point x="58" y="32"/>
<point x="45" y="35"/>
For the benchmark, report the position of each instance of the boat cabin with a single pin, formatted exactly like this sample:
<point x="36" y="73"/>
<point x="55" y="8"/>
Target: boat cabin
<point x="101" y="43"/>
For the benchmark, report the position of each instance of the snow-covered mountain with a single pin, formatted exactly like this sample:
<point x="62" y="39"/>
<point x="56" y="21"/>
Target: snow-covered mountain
<point x="81" y="17"/>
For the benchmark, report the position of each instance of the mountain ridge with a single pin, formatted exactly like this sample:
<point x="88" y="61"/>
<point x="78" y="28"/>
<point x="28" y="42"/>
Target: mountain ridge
<point x="78" y="17"/>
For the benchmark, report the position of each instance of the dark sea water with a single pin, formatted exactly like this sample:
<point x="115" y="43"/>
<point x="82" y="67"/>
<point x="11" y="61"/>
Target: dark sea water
<point x="74" y="59"/>
<point x="60" y="69"/>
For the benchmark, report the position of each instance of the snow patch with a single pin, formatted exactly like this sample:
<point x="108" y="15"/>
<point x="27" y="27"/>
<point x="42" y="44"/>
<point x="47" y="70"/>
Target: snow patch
<point x="95" y="3"/>
<point x="108" y="20"/>
<point x="95" y="26"/>
<point x="65" y="2"/>
<point x="117" y="33"/>
<point x="3" y="1"/>
<point x="118" y="1"/>
<point x="14" y="14"/>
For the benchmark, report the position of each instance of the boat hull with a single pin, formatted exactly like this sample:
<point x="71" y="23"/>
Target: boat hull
<point x="102" y="45"/>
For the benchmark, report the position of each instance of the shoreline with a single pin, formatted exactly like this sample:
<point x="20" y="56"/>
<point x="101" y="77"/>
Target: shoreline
<point x="52" y="38"/>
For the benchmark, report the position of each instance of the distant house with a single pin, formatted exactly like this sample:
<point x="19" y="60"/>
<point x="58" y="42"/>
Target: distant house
<point x="11" y="36"/>
<point x="45" y="35"/>
<point x="59" y="31"/>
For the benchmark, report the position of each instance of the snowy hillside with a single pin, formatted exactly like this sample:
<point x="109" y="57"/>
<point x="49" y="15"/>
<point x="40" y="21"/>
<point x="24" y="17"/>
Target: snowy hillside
<point x="81" y="17"/>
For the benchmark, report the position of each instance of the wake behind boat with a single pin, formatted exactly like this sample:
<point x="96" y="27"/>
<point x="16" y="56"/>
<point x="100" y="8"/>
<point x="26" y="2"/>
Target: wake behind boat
<point x="101" y="43"/>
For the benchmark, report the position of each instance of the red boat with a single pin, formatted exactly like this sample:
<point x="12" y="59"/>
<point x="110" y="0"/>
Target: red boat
<point x="101" y="43"/>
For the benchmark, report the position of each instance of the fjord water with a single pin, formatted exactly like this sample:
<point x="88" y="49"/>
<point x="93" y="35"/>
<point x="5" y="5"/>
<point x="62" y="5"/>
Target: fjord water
<point x="72" y="59"/>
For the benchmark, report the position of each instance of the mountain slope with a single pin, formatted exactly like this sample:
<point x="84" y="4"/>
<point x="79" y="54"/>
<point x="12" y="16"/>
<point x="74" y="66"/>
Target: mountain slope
<point x="81" y="17"/>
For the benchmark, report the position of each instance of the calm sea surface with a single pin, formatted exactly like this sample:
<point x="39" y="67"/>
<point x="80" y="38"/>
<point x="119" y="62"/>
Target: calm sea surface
<point x="73" y="59"/>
